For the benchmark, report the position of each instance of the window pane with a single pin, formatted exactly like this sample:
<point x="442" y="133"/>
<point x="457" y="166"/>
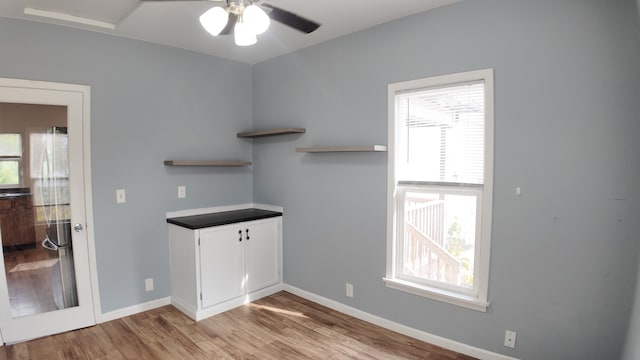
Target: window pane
<point x="11" y="145"/>
<point x="50" y="155"/>
<point x="441" y="134"/>
<point x="439" y="237"/>
<point x="9" y="172"/>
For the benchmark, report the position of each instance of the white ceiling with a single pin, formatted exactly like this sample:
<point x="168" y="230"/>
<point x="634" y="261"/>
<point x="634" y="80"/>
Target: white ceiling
<point x="175" y="23"/>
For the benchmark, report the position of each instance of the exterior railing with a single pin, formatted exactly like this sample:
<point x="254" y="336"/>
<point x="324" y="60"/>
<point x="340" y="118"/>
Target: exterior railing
<point x="427" y="216"/>
<point x="425" y="250"/>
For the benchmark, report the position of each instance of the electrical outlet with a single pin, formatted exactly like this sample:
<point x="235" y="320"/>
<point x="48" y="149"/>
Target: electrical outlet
<point x="148" y="284"/>
<point x="349" y="290"/>
<point x="510" y="339"/>
<point x="182" y="192"/>
<point x="120" y="196"/>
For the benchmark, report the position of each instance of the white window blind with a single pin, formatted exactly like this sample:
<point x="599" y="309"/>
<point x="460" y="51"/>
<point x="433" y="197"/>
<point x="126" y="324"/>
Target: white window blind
<point x="442" y="131"/>
<point x="10" y="146"/>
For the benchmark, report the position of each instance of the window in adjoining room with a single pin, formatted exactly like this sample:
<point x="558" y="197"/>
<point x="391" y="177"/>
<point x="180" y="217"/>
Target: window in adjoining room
<point x="10" y="160"/>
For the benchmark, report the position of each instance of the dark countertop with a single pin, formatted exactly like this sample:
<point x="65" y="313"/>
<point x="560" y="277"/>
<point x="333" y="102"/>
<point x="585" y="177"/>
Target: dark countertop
<point x="195" y="222"/>
<point x="14" y="192"/>
<point x="13" y="195"/>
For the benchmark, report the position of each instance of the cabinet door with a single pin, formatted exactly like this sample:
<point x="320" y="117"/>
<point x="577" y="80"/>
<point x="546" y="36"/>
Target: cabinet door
<point x="262" y="249"/>
<point x="7" y="226"/>
<point x="221" y="264"/>
<point x="23" y="221"/>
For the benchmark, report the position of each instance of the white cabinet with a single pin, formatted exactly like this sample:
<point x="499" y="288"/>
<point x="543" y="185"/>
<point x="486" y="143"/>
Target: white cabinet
<point x="217" y="268"/>
<point x="222" y="264"/>
<point x="261" y="249"/>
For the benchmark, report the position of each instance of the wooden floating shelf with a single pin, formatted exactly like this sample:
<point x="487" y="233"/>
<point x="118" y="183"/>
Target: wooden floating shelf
<point x="206" y="163"/>
<point x="270" y="132"/>
<point x="327" y="149"/>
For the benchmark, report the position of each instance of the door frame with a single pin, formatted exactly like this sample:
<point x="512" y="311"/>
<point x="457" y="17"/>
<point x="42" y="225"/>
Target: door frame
<point x="85" y="92"/>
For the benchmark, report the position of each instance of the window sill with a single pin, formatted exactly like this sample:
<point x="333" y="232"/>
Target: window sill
<point x="450" y="297"/>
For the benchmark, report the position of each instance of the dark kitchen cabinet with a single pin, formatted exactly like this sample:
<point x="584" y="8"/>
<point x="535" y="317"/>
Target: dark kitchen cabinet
<point x="16" y="220"/>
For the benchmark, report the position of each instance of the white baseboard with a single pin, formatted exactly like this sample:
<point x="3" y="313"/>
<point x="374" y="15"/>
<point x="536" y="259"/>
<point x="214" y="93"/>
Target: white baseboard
<point x="132" y="310"/>
<point x="399" y="328"/>
<point x="135" y="309"/>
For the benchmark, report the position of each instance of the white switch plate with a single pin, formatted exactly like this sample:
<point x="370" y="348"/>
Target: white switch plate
<point x="349" y="290"/>
<point x="148" y="284"/>
<point x="510" y="339"/>
<point x="120" y="196"/>
<point x="182" y="192"/>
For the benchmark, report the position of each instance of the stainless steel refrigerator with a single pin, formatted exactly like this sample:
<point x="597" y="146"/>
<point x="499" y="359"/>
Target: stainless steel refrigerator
<point x="55" y="201"/>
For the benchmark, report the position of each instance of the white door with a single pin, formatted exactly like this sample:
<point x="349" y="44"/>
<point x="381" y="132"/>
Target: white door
<point x="262" y="253"/>
<point x="51" y="184"/>
<point x="221" y="264"/>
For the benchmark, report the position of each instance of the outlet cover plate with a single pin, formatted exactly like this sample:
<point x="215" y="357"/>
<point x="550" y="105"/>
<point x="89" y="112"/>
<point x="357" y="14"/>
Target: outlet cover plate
<point x="510" y="339"/>
<point x="349" y="290"/>
<point x="148" y="284"/>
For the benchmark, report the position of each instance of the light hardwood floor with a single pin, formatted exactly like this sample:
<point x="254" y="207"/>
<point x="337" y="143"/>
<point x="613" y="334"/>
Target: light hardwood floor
<point x="281" y="326"/>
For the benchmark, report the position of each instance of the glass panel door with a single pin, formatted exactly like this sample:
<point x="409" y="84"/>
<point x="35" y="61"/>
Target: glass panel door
<point x="35" y="227"/>
<point x="44" y="247"/>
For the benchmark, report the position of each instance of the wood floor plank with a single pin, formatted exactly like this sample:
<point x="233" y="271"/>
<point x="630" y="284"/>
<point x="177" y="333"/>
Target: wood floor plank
<point x="281" y="326"/>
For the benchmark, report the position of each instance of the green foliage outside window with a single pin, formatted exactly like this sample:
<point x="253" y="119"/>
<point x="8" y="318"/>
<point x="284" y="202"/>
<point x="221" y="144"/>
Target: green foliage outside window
<point x="9" y="173"/>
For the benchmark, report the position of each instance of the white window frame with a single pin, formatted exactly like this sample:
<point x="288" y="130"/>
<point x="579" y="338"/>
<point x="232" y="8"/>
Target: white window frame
<point x="476" y="298"/>
<point x="19" y="159"/>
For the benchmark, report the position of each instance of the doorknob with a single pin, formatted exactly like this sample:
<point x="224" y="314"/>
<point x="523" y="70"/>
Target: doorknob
<point x="77" y="227"/>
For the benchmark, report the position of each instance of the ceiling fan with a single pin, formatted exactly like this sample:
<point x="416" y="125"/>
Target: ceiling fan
<point x="248" y="18"/>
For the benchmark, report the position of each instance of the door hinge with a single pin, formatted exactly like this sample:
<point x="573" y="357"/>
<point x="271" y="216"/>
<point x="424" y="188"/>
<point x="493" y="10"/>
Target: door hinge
<point x="200" y="296"/>
<point x="198" y="241"/>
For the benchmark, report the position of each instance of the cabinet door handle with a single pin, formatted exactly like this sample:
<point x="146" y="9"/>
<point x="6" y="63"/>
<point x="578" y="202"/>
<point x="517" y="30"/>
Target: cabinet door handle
<point x="240" y="232"/>
<point x="248" y="234"/>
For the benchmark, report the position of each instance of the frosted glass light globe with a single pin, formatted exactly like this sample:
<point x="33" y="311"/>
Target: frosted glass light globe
<point x="256" y="18"/>
<point x="244" y="35"/>
<point x="214" y="20"/>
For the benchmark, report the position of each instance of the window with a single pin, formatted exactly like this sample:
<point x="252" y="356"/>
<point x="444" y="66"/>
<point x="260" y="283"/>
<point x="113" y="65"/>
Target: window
<point x="440" y="187"/>
<point x="10" y="160"/>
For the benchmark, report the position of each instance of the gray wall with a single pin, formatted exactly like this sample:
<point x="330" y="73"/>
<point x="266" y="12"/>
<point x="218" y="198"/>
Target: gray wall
<point x="632" y="346"/>
<point x="564" y="255"/>
<point x="149" y="103"/>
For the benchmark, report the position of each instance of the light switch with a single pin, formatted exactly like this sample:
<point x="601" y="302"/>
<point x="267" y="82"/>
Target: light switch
<point x="120" y="196"/>
<point x="182" y="192"/>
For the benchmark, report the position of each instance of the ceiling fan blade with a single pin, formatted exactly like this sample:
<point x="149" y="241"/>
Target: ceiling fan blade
<point x="290" y="19"/>
<point x="233" y="18"/>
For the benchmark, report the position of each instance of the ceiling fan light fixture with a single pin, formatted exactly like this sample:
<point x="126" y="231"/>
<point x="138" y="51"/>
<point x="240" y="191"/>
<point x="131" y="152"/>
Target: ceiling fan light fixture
<point x="256" y="18"/>
<point x="243" y="33"/>
<point x="214" y="20"/>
